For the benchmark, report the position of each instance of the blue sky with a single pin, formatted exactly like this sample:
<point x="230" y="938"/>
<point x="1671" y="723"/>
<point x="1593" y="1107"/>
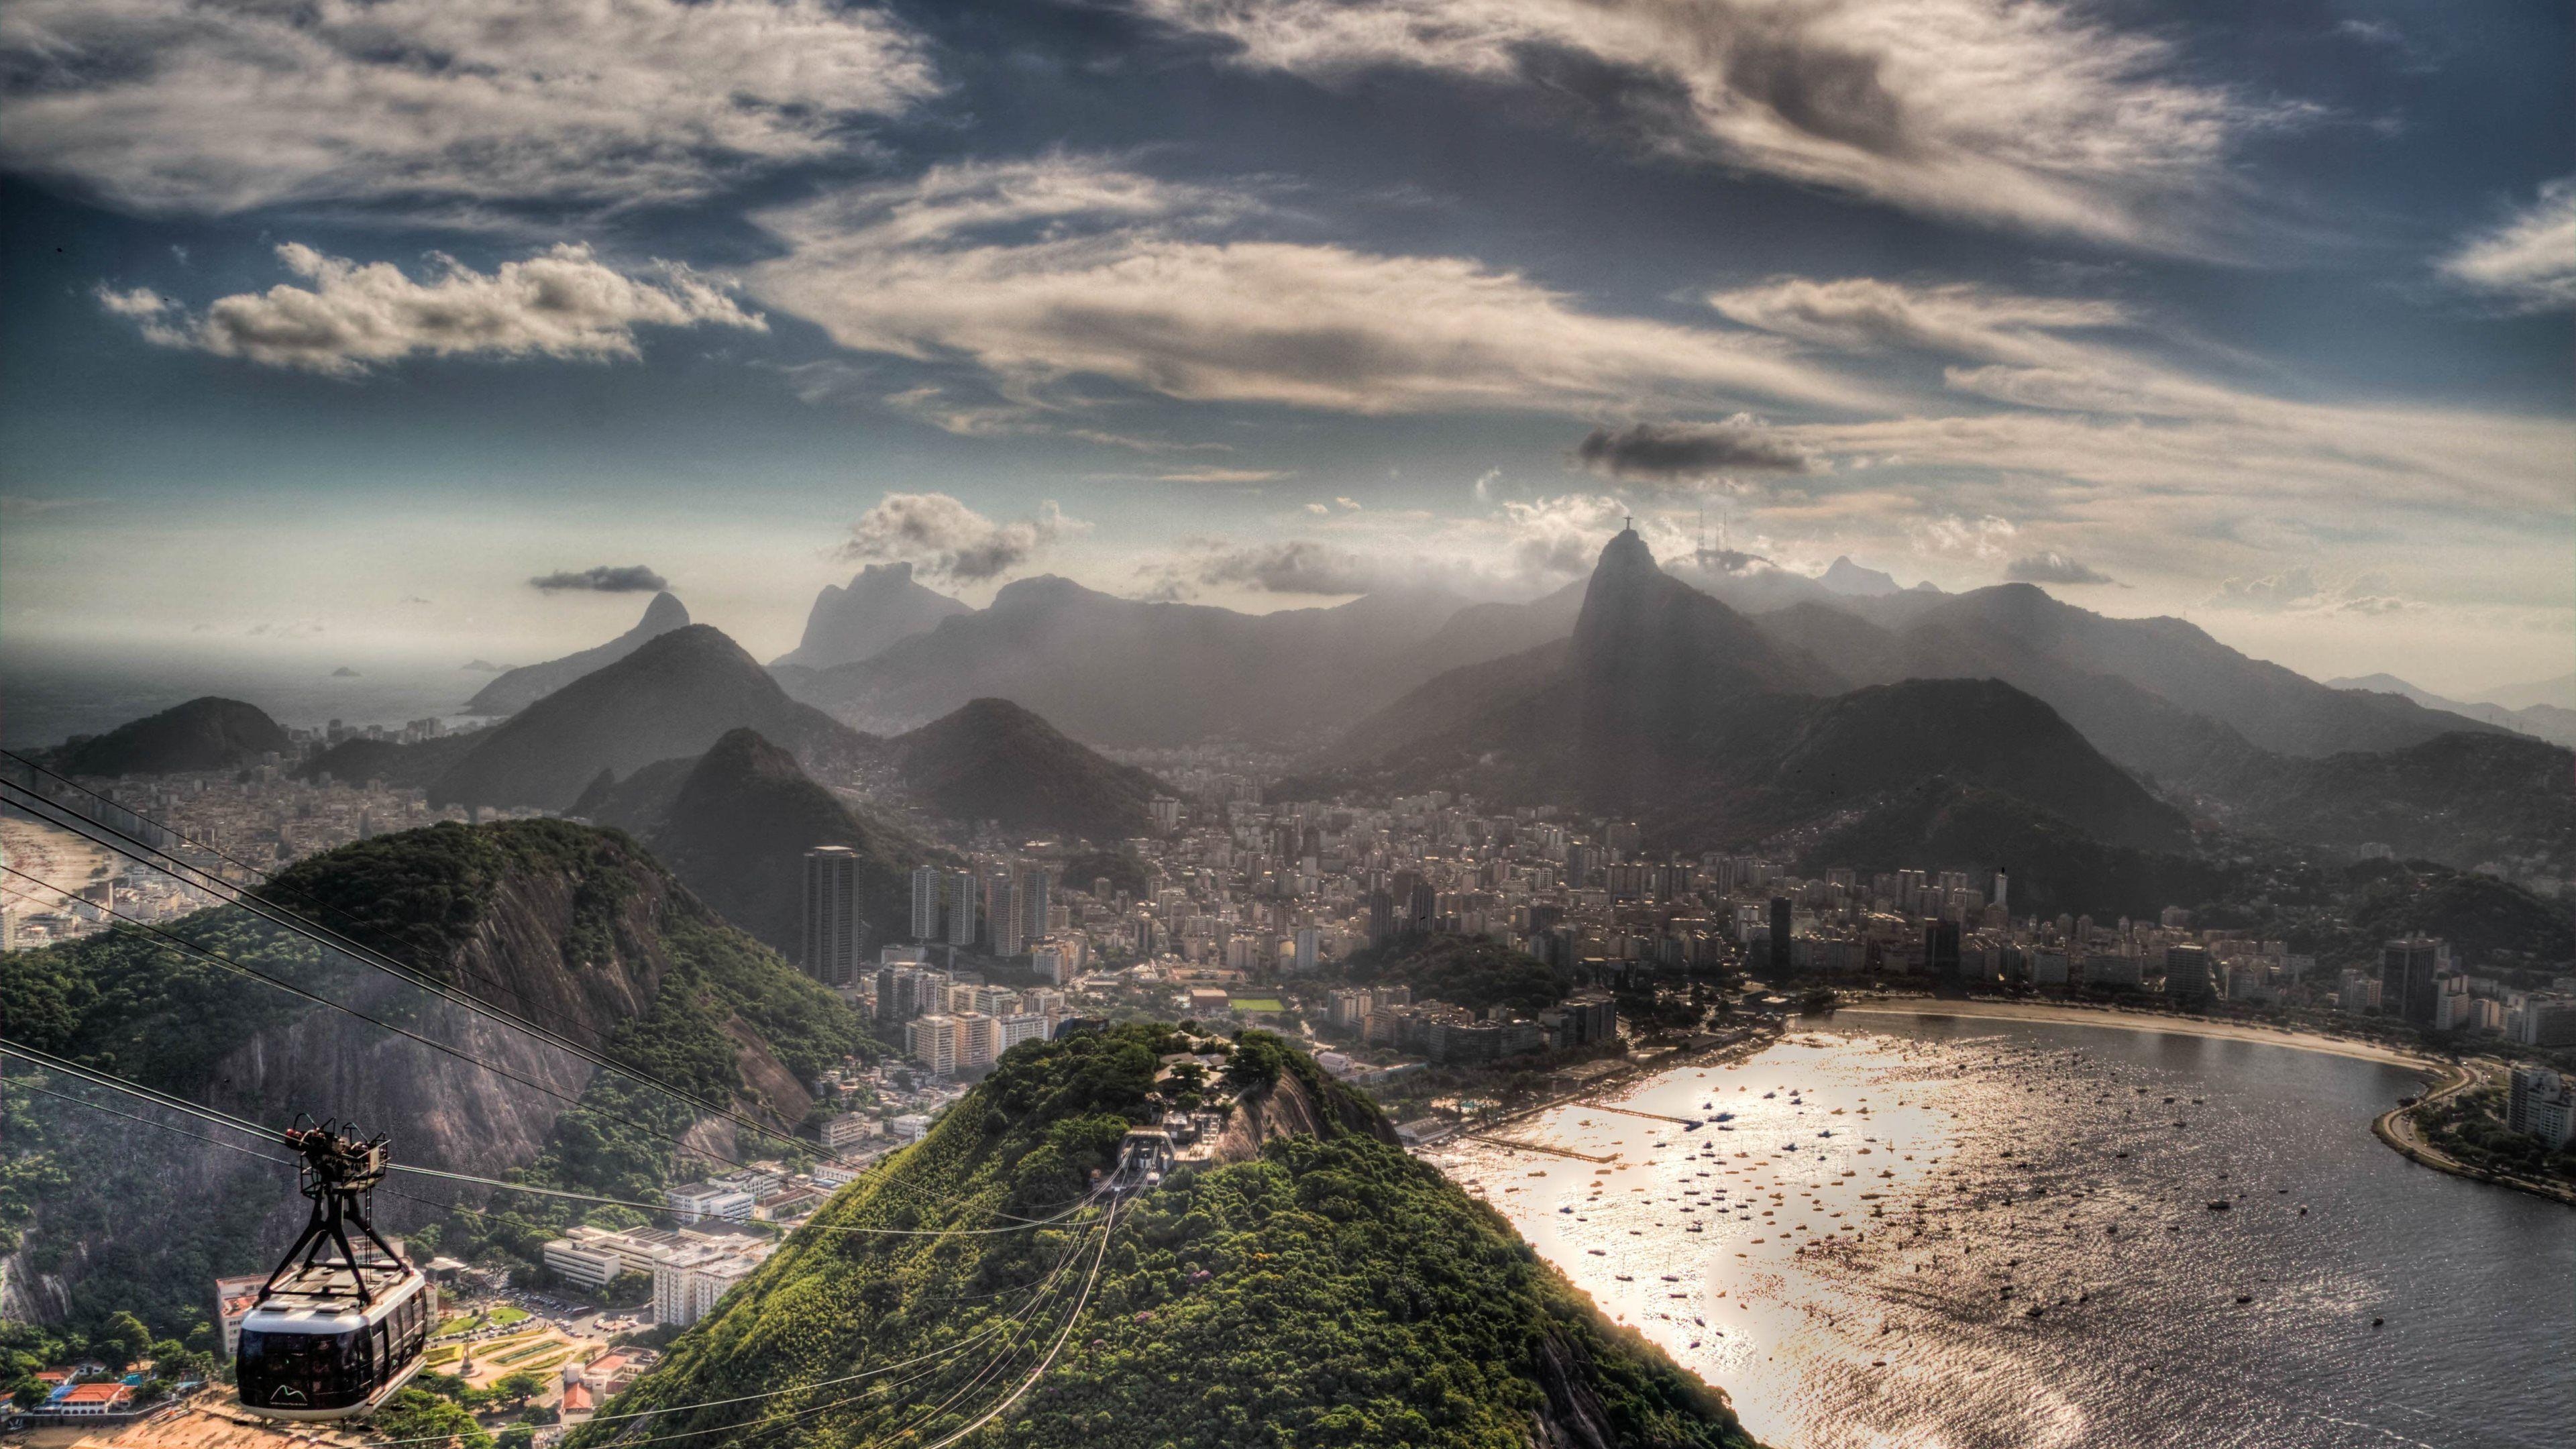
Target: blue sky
<point x="332" y="325"/>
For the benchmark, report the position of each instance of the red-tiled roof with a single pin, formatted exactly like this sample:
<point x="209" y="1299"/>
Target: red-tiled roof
<point x="576" y="1399"/>
<point x="96" y="1394"/>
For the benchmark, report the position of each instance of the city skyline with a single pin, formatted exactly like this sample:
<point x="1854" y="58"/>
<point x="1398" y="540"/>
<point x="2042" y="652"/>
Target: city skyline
<point x="2256" y="322"/>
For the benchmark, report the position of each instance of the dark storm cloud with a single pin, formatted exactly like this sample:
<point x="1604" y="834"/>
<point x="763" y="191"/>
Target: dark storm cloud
<point x="1690" y="452"/>
<point x="630" y="579"/>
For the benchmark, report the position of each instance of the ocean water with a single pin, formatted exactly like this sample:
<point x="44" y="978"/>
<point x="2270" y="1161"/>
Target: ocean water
<point x="1944" y="1233"/>
<point x="48" y="695"/>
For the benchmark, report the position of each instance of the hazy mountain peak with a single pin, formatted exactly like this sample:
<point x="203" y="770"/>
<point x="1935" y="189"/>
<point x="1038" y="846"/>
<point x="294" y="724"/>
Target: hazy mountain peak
<point x="881" y="608"/>
<point x="676" y="695"/>
<point x="516" y="689"/>
<point x="664" y="614"/>
<point x="1850" y="579"/>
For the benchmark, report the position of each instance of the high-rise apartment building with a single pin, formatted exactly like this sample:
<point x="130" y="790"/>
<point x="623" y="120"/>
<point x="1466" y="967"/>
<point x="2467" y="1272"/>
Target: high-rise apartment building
<point x="2187" y="976"/>
<point x="2406" y="985"/>
<point x="1001" y="918"/>
<point x="925" y="903"/>
<point x="934" y="1042"/>
<point x="1034" y="888"/>
<point x="836" y="939"/>
<point x="962" y="895"/>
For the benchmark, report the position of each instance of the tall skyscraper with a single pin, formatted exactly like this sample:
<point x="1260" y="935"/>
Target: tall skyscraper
<point x="1779" y="935"/>
<point x="2187" y="978"/>
<point x="1034" y="894"/>
<point x="835" y="937"/>
<point x="925" y="903"/>
<point x="2406" y="970"/>
<point x="962" y="893"/>
<point x="1941" y="949"/>
<point x="1006" y="925"/>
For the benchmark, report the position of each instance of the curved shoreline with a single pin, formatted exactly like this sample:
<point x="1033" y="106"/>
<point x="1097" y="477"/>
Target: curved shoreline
<point x="2393" y="1127"/>
<point x="2140" y="1021"/>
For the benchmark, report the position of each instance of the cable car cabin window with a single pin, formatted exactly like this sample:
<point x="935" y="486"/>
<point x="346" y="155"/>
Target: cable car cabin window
<point x="306" y="1370"/>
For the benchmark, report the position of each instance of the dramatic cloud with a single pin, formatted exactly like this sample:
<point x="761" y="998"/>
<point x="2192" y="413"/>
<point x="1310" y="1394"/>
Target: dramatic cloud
<point x="2530" y="259"/>
<point x="2054" y="568"/>
<point x="560" y="303"/>
<point x="944" y="538"/>
<point x="1692" y="452"/>
<point x="1042" y="272"/>
<point x="629" y="579"/>
<point x="177" y="106"/>
<point x="2016" y="112"/>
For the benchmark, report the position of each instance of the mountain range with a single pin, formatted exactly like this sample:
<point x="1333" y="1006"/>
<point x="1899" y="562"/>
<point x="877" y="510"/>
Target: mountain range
<point x="882" y="607"/>
<point x="1667" y="706"/>
<point x="673" y="695"/>
<point x="1120" y="671"/>
<point x="514" y="690"/>
<point x="2539" y="719"/>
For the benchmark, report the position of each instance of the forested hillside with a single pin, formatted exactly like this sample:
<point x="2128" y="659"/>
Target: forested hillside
<point x="1314" y="1286"/>
<point x="570" y="925"/>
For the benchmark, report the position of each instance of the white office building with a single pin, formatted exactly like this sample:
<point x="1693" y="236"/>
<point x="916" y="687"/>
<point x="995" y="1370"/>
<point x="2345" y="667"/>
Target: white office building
<point x="711" y="1202"/>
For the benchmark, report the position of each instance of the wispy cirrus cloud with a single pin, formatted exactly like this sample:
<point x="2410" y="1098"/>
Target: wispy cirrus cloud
<point x="1046" y="271"/>
<point x="352" y="316"/>
<point x="2019" y="113"/>
<point x="2529" y="258"/>
<point x="2090" y="411"/>
<point x="2303" y="589"/>
<point x="171" y="106"/>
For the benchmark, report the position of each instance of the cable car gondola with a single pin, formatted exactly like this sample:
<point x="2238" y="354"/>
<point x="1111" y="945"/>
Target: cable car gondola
<point x="333" y="1339"/>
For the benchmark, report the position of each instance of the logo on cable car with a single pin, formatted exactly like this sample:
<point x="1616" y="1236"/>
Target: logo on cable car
<point x="286" y="1394"/>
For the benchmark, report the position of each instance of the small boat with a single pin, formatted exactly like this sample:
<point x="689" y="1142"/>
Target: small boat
<point x="2218" y="1204"/>
<point x="1624" y="1278"/>
<point x="1597" y="1252"/>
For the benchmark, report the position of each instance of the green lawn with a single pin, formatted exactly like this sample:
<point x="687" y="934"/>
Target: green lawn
<point x="1257" y="1003"/>
<point x="505" y="1315"/>
<point x="462" y="1323"/>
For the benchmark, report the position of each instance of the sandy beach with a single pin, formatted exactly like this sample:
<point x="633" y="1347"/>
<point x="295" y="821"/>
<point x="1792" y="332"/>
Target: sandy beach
<point x="2137" y="1021"/>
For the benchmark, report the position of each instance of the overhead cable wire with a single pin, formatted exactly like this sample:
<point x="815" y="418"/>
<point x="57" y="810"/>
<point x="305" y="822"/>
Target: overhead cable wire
<point x="266" y="878"/>
<point x="286" y="920"/>
<point x="115" y="1083"/>
<point x="126" y="843"/>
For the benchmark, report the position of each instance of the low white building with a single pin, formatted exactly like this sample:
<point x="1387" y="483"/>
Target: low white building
<point x="711" y="1201"/>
